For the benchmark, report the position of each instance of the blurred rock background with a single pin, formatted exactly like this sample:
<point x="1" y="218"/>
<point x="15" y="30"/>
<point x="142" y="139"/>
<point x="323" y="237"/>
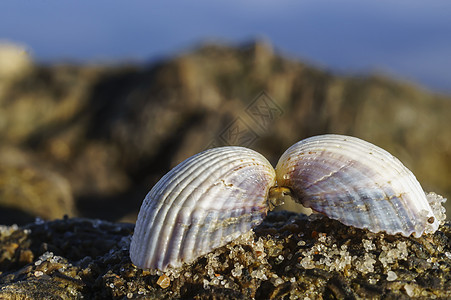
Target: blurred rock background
<point x="91" y="140"/>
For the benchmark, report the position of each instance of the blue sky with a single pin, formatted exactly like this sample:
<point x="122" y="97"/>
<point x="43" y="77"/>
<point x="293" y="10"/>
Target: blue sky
<point x="409" y="39"/>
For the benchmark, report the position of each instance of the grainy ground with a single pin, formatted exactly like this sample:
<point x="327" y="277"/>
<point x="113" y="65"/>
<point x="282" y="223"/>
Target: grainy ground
<point x="289" y="256"/>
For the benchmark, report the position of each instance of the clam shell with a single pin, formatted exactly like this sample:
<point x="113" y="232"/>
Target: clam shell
<point x="203" y="203"/>
<point x="357" y="183"/>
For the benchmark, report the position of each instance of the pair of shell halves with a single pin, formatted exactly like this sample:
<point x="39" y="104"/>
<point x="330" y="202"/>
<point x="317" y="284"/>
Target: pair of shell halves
<point x="217" y="195"/>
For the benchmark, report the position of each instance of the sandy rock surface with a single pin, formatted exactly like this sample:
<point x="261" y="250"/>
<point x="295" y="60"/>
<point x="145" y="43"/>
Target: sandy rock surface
<point x="289" y="256"/>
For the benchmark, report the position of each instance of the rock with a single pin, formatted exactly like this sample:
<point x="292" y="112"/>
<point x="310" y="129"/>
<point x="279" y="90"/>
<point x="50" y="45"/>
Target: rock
<point x="113" y="131"/>
<point x="15" y="62"/>
<point x="288" y="256"/>
<point x="28" y="190"/>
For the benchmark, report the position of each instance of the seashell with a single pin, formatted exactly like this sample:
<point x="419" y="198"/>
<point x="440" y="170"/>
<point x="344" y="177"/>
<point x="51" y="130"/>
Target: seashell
<point x="217" y="195"/>
<point x="203" y="203"/>
<point x="357" y="183"/>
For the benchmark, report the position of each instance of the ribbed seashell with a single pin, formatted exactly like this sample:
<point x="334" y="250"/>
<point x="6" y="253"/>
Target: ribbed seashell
<point x="215" y="196"/>
<point x="357" y="183"/>
<point x="203" y="203"/>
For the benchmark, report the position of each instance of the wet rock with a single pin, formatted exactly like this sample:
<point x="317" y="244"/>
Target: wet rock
<point x="288" y="256"/>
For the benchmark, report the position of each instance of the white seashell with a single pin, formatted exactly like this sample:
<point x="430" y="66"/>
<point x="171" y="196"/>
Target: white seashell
<point x="357" y="183"/>
<point x="215" y="196"/>
<point x="203" y="203"/>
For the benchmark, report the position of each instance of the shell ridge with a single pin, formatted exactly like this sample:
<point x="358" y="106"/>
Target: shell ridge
<point x="208" y="182"/>
<point x="195" y="231"/>
<point x="247" y="214"/>
<point x="409" y="181"/>
<point x="152" y="234"/>
<point x="405" y="213"/>
<point x="397" y="165"/>
<point x="257" y="206"/>
<point x="411" y="205"/>
<point x="187" y="195"/>
<point x="192" y="234"/>
<point x="170" y="181"/>
<point x="327" y="176"/>
<point x="383" y="213"/>
<point x="340" y="208"/>
<point x="387" y="210"/>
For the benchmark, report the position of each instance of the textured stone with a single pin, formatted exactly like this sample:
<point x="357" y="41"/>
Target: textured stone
<point x="289" y="256"/>
<point x="113" y="131"/>
<point x="28" y="189"/>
